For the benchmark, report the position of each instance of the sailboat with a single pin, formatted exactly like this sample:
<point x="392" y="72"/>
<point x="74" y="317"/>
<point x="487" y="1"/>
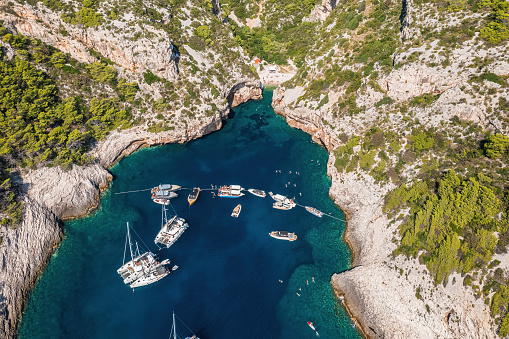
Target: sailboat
<point x="142" y="269"/>
<point x="171" y="230"/>
<point x="173" y="333"/>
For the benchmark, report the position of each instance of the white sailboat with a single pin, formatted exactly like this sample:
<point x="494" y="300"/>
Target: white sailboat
<point x="173" y="333"/>
<point x="142" y="269"/>
<point x="171" y="230"/>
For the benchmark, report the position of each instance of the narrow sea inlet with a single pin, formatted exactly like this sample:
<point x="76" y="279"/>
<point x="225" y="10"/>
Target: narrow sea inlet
<point x="233" y="280"/>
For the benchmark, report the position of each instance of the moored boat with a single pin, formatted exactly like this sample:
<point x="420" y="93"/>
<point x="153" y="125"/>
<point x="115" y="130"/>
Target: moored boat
<point x="257" y="192"/>
<point x="142" y="269"/>
<point x="236" y="211"/>
<point x="193" y="195"/>
<point x="171" y="230"/>
<point x="282" y="199"/>
<point x="283" y="235"/>
<point x="163" y="193"/>
<point x="310" y="324"/>
<point x="232" y="191"/>
<point x="281" y="206"/>
<point x="173" y="333"/>
<point x="314" y="211"/>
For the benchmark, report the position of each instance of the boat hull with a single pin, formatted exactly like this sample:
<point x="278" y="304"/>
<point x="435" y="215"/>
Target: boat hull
<point x="193" y="196"/>
<point x="283" y="235"/>
<point x="236" y="211"/>
<point x="230" y="196"/>
<point x="258" y="193"/>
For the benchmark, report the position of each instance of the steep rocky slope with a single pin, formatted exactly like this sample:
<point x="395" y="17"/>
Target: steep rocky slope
<point x="346" y="95"/>
<point x="201" y="90"/>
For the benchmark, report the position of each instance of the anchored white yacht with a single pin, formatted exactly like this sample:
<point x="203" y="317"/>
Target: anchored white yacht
<point x="171" y="230"/>
<point x="142" y="269"/>
<point x="232" y="191"/>
<point x="282" y="202"/>
<point x="163" y="193"/>
<point x="257" y="192"/>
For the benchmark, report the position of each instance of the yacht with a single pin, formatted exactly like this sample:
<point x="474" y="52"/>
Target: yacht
<point x="281" y="206"/>
<point x="171" y="230"/>
<point x="282" y="199"/>
<point x="173" y="333"/>
<point x="236" y="211"/>
<point x="163" y="193"/>
<point x="283" y="235"/>
<point x="314" y="211"/>
<point x="258" y="193"/>
<point x="142" y="269"/>
<point x="193" y="195"/>
<point x="232" y="191"/>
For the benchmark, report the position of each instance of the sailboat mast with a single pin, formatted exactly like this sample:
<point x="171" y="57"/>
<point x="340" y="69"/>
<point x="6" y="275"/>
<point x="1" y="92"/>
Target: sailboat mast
<point x="174" y="327"/>
<point x="129" y="239"/>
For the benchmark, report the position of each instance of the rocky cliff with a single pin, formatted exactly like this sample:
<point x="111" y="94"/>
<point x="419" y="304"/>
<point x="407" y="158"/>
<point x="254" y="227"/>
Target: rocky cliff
<point x="138" y="55"/>
<point x="55" y="194"/>
<point x="304" y="119"/>
<point x="379" y="290"/>
<point x="23" y="253"/>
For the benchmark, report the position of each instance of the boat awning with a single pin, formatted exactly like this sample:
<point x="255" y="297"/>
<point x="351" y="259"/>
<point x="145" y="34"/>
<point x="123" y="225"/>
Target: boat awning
<point x="235" y="187"/>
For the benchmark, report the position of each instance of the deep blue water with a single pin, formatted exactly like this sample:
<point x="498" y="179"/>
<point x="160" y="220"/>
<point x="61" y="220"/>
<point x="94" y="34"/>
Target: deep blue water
<point x="227" y="284"/>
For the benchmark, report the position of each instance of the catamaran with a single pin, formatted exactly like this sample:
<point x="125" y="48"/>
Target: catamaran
<point x="257" y="192"/>
<point x="173" y="333"/>
<point x="232" y="191"/>
<point x="163" y="193"/>
<point x="283" y="235"/>
<point x="314" y="211"/>
<point x="171" y="230"/>
<point x="142" y="269"/>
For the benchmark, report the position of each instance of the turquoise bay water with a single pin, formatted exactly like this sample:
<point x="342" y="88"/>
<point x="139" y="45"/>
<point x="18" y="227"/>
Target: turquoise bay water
<point x="227" y="284"/>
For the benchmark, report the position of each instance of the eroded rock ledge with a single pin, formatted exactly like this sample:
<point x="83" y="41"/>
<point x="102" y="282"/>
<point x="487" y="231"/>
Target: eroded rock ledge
<point x="54" y="194"/>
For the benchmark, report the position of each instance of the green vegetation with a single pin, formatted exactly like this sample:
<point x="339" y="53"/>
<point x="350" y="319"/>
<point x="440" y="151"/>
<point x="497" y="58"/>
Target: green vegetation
<point x="101" y="72"/>
<point x="40" y="128"/>
<point x="344" y="153"/>
<point x="461" y="207"/>
<point x="496" y="145"/>
<point x="424" y="100"/>
<point x="497" y="27"/>
<point x="9" y="203"/>
<point x="150" y="77"/>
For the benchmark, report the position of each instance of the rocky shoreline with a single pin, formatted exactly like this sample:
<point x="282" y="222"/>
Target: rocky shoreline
<point x="379" y="291"/>
<point x="53" y="194"/>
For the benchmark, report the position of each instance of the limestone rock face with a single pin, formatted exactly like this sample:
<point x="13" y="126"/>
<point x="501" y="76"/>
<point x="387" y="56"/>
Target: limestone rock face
<point x="122" y="143"/>
<point x="69" y="193"/>
<point x="23" y="252"/>
<point x="382" y="295"/>
<point x="243" y="92"/>
<point x="321" y="11"/>
<point x="415" y="80"/>
<point x="135" y="55"/>
<point x="304" y="119"/>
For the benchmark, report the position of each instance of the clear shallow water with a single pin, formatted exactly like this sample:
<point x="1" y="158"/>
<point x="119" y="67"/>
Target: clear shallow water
<point x="227" y="284"/>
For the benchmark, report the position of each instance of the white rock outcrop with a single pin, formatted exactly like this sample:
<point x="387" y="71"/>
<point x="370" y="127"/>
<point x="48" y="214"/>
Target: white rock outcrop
<point x="23" y="252"/>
